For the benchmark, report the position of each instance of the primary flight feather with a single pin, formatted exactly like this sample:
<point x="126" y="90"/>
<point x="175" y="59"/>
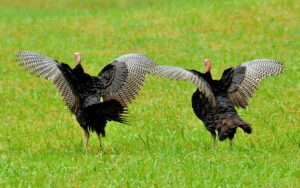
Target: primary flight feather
<point x="118" y="84"/>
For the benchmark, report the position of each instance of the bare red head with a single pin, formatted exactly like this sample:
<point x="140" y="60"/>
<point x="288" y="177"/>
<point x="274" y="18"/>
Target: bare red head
<point x="77" y="58"/>
<point x="207" y="64"/>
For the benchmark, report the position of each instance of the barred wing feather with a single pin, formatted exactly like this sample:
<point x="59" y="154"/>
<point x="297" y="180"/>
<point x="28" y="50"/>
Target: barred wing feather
<point x="125" y="76"/>
<point x="177" y="73"/>
<point x="50" y="69"/>
<point x="244" y="83"/>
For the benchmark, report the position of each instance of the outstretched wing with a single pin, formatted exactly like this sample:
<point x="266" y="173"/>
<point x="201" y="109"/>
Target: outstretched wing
<point x="244" y="79"/>
<point x="177" y="73"/>
<point x="124" y="77"/>
<point x="60" y="73"/>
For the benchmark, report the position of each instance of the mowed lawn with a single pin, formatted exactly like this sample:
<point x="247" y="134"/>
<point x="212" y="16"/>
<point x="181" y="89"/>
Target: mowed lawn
<point x="41" y="144"/>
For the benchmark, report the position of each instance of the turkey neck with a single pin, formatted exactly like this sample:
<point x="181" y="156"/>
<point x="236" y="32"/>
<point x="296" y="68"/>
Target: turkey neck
<point x="81" y="75"/>
<point x="208" y="78"/>
<point x="78" y="69"/>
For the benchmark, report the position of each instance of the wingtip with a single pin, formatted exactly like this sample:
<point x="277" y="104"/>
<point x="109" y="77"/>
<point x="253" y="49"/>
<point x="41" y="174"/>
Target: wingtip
<point x="21" y="52"/>
<point x="282" y="66"/>
<point x="18" y="57"/>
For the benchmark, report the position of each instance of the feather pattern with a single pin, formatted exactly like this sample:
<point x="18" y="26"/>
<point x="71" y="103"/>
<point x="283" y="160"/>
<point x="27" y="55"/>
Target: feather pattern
<point x="118" y="83"/>
<point x="127" y="78"/>
<point x="234" y="89"/>
<point x="245" y="83"/>
<point x="50" y="69"/>
<point x="177" y="73"/>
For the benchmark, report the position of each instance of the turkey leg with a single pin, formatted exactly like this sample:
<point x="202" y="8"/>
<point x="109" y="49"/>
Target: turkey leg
<point x="213" y="136"/>
<point x="87" y="136"/>
<point x="99" y="138"/>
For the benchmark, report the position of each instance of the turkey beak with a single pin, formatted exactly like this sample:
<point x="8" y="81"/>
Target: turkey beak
<point x="77" y="58"/>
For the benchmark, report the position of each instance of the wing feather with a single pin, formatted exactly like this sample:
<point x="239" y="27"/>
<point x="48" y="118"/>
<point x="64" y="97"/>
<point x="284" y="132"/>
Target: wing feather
<point x="177" y="73"/>
<point x="125" y="76"/>
<point x="245" y="83"/>
<point x="50" y="69"/>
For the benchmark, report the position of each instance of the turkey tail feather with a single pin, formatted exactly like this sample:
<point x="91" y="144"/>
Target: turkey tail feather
<point x="111" y="110"/>
<point x="237" y="121"/>
<point x="245" y="126"/>
<point x="230" y="123"/>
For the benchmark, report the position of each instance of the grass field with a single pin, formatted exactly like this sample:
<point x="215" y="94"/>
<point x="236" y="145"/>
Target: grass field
<point x="41" y="144"/>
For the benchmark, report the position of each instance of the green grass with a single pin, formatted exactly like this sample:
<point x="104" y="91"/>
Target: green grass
<point x="166" y="145"/>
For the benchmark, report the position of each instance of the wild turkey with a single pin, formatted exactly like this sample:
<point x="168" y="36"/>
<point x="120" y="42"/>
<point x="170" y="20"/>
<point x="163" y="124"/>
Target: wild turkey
<point x="217" y="108"/>
<point x="118" y="84"/>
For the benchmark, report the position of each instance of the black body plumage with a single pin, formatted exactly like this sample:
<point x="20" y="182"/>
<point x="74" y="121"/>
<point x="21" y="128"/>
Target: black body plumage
<point x="117" y="84"/>
<point x="91" y="113"/>
<point x="223" y="117"/>
<point x="214" y="101"/>
<point x="234" y="89"/>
